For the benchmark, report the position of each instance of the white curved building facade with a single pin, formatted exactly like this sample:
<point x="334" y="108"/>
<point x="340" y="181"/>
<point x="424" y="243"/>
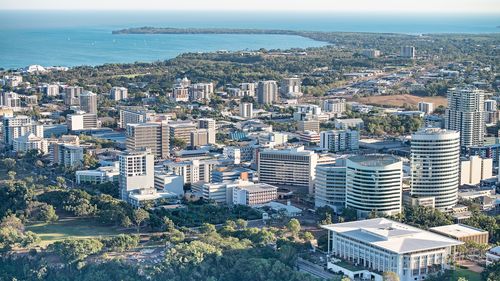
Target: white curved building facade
<point x="373" y="183"/>
<point x="435" y="166"/>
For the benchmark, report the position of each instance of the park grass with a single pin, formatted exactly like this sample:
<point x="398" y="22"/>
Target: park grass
<point x="71" y="227"/>
<point x="467" y="274"/>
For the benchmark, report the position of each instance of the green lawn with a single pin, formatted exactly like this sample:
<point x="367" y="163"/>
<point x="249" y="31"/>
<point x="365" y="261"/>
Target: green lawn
<point x="467" y="274"/>
<point x="71" y="228"/>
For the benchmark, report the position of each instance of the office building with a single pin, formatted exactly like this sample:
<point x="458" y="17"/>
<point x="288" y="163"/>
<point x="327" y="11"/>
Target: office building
<point x="382" y="245"/>
<point x="82" y="121"/>
<point x="465" y="114"/>
<point x="169" y="183"/>
<point x="253" y="194"/>
<point x="308" y="125"/>
<point x="18" y="126"/>
<point x="462" y="232"/>
<point x="490" y="105"/>
<point x="88" y="102"/>
<point x="291" y="87"/>
<point x="351" y="123"/>
<point x="118" y="93"/>
<point x="475" y="169"/>
<point x="339" y="140"/>
<point x="330" y="186"/>
<point x="335" y="106"/>
<point x="136" y="172"/>
<point x="374" y="184"/>
<point x="267" y="92"/>
<point x="246" y="110"/>
<point x="435" y="166"/>
<point x="288" y="167"/>
<point x="199" y="137"/>
<point x="209" y="125"/>
<point x="100" y="175"/>
<point x="407" y="52"/>
<point x="426" y="107"/>
<point x="230" y="173"/>
<point x="309" y="137"/>
<point x="72" y="95"/>
<point x="153" y="136"/>
<point x="182" y="131"/>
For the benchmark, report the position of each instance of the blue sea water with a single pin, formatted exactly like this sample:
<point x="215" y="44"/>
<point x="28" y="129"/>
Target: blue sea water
<point x="70" y="38"/>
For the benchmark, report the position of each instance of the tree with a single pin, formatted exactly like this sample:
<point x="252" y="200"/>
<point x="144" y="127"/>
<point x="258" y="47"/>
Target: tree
<point x="207" y="228"/>
<point x="73" y="250"/>
<point x="168" y="224"/>
<point x="294" y="227"/>
<point x="192" y="253"/>
<point x="491" y="272"/>
<point x="12" y="234"/>
<point x="179" y="143"/>
<point x="140" y="216"/>
<point x="390" y="276"/>
<point x="122" y="242"/>
<point x="9" y="163"/>
<point x="61" y="182"/>
<point x="11" y="175"/>
<point x="241" y="223"/>
<point x="308" y="236"/>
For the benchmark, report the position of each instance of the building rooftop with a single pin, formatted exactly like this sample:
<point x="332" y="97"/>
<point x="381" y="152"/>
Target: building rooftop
<point x="392" y="236"/>
<point x="457" y="230"/>
<point x="374" y="160"/>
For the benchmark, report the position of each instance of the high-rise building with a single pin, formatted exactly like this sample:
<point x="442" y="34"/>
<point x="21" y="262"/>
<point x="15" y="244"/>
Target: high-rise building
<point x="339" y="140"/>
<point x="289" y="167"/>
<point x="82" y="121"/>
<point x="246" y="110"/>
<point x="72" y="95"/>
<point x="267" y="92"/>
<point x="133" y="115"/>
<point x="435" y="155"/>
<point x="199" y="137"/>
<point x="66" y="154"/>
<point x="118" y="93"/>
<point x="291" y="87"/>
<point x="371" y="53"/>
<point x="474" y="169"/>
<point x="88" y="102"/>
<point x="30" y="142"/>
<point x="51" y="90"/>
<point x="136" y="171"/>
<point x="335" y="106"/>
<point x="426" y="107"/>
<point x="407" y="52"/>
<point x="374" y="184"/>
<point x="10" y="100"/>
<point x="247" y="89"/>
<point x="465" y="114"/>
<point x="209" y="125"/>
<point x="201" y="91"/>
<point x="193" y="170"/>
<point x="490" y="105"/>
<point x="18" y="126"/>
<point x="180" y="94"/>
<point x="153" y="136"/>
<point x="330" y="186"/>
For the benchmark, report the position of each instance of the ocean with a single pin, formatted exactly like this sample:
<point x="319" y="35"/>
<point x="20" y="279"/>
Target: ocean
<point x="72" y="38"/>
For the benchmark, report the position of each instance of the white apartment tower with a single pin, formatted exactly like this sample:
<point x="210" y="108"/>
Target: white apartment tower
<point x="88" y="102"/>
<point x="291" y="87"/>
<point x="209" y="125"/>
<point x="435" y="166"/>
<point x="136" y="171"/>
<point x="339" y="140"/>
<point x="465" y="114"/>
<point x="267" y="92"/>
<point x="118" y="93"/>
<point x="330" y="186"/>
<point x="374" y="184"/>
<point x="246" y="110"/>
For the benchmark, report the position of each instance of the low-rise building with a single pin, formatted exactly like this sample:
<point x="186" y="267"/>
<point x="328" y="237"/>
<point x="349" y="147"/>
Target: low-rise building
<point x="462" y="232"/>
<point x="100" y="175"/>
<point x="493" y="255"/>
<point x="367" y="248"/>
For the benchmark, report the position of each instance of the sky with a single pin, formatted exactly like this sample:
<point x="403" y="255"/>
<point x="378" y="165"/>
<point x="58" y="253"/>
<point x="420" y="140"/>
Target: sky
<point x="410" y="6"/>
